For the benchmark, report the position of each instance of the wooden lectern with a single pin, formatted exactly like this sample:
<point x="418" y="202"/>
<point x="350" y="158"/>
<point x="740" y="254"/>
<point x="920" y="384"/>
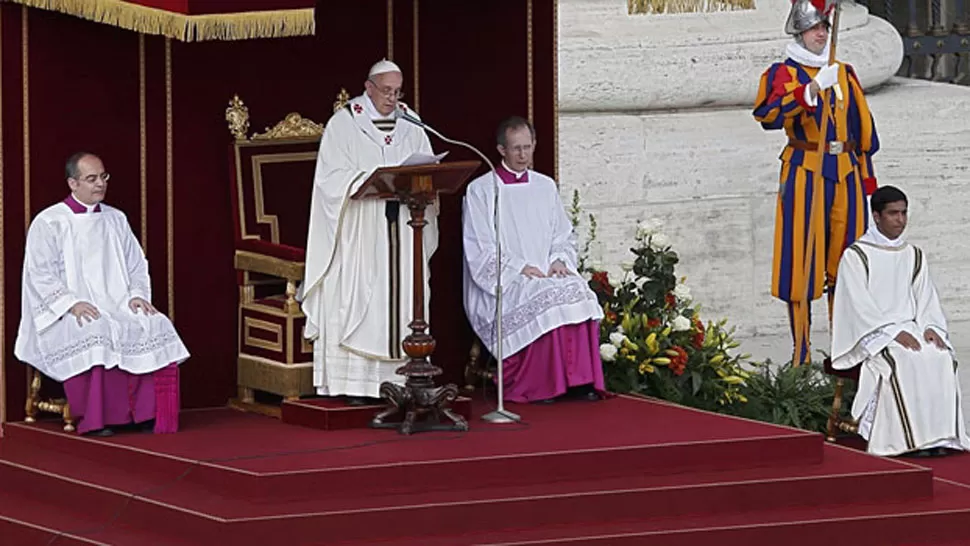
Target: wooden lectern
<point x="417" y="187"/>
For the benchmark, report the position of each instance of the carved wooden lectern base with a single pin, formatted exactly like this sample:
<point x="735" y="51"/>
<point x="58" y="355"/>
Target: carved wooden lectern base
<point x="425" y="407"/>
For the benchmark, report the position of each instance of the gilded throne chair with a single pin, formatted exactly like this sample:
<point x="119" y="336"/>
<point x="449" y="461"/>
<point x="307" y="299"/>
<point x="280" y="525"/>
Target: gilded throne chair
<point x="271" y="186"/>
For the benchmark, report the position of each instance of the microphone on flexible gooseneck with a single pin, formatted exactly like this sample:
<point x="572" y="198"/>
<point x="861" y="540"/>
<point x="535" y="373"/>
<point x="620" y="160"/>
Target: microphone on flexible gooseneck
<point x="500" y="414"/>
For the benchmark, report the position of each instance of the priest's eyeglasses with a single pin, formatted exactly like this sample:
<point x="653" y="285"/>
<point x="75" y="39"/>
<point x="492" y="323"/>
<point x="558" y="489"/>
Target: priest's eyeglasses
<point x="92" y="178"/>
<point x="387" y="91"/>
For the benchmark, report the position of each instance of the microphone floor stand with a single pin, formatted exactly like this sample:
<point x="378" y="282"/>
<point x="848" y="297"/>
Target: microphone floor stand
<point x="500" y="414"/>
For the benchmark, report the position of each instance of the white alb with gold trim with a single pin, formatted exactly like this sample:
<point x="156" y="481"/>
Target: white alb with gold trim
<point x="906" y="400"/>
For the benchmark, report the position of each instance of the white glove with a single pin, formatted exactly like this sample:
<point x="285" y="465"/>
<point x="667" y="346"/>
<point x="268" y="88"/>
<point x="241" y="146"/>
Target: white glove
<point x="827" y="76"/>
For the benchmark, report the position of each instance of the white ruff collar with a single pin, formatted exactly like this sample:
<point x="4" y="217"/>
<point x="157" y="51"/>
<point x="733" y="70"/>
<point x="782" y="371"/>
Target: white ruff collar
<point x="800" y="55"/>
<point x="875" y="237"/>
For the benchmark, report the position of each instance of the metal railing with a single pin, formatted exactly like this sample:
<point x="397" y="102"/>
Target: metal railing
<point x="936" y="37"/>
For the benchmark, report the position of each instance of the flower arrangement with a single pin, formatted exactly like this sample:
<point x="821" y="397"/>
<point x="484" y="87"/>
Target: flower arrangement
<point x="653" y="340"/>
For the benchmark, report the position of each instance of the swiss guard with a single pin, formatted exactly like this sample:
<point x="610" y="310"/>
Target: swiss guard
<point x="789" y="98"/>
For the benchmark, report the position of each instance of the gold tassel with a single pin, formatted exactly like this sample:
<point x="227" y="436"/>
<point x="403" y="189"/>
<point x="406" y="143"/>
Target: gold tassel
<point x="686" y="6"/>
<point x="186" y="28"/>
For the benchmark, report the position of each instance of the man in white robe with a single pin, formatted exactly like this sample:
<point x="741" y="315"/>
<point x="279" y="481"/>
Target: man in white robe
<point x="550" y="316"/>
<point x="357" y="290"/>
<point x="888" y="319"/>
<point x="86" y="315"/>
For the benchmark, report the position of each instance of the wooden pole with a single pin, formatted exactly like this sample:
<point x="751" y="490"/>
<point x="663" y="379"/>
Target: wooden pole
<point x="801" y="311"/>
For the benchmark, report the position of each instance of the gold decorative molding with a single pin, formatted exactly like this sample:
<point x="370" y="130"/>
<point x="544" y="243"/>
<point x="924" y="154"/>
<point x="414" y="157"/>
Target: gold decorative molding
<point x="250" y="324"/>
<point x="288" y="380"/>
<point x="237" y="115"/>
<point x="3" y="317"/>
<point x="186" y="28"/>
<point x="390" y="30"/>
<point x="268" y="265"/>
<point x="653" y="7"/>
<point x="293" y="126"/>
<point x="25" y="76"/>
<point x="169" y="182"/>
<point x="143" y="142"/>
<point x="343" y="97"/>
<point x="530" y="77"/>
<point x="555" y="90"/>
<point x="417" y="57"/>
<point x="258" y="194"/>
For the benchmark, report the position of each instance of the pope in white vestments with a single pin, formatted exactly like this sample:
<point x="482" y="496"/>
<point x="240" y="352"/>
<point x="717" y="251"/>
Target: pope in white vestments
<point x="357" y="290"/>
<point x="550" y="316"/>
<point x="86" y="313"/>
<point x="887" y="318"/>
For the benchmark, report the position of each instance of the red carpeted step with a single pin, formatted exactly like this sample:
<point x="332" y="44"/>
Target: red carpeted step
<point x="941" y="520"/>
<point x="862" y="479"/>
<point x="248" y="455"/>
<point x="26" y="521"/>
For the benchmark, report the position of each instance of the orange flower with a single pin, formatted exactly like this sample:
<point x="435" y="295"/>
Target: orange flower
<point x="670" y="299"/>
<point x="678" y="364"/>
<point x="602" y="280"/>
<point x="698" y="339"/>
<point x="653" y="322"/>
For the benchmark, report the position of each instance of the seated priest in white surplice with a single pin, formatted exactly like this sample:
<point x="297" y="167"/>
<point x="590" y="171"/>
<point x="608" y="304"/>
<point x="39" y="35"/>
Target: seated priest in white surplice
<point x="357" y="288"/>
<point x="86" y="315"/>
<point x="888" y="318"/>
<point x="550" y="324"/>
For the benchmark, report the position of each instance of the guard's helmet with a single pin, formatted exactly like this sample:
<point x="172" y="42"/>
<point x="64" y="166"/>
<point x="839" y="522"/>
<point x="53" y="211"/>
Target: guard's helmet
<point x="805" y="14"/>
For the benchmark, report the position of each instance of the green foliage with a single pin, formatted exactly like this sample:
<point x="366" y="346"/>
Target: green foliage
<point x="653" y="342"/>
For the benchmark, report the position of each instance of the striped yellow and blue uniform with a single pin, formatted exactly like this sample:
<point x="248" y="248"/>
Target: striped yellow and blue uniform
<point x="848" y="179"/>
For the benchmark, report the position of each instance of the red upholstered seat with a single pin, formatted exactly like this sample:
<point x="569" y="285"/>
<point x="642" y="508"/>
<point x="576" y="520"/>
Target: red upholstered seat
<point x="280" y="251"/>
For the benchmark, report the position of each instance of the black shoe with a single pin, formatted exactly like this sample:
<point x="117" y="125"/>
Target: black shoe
<point x="584" y="392"/>
<point x="939" y="452"/>
<point x="146" y="426"/>
<point x="100" y="433"/>
<point x="545" y="401"/>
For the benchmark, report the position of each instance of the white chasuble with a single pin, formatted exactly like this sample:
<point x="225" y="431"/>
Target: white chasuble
<point x="89" y="257"/>
<point x="357" y="289"/>
<point x="536" y="232"/>
<point x="906" y="400"/>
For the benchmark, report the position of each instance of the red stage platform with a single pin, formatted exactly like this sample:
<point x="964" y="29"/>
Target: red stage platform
<point x="621" y="471"/>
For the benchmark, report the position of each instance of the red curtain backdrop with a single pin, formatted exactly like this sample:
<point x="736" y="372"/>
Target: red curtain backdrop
<point x="202" y="7"/>
<point x="84" y="93"/>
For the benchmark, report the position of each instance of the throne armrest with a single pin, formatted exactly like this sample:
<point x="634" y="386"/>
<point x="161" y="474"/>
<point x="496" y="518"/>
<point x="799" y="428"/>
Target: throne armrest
<point x="268" y="264"/>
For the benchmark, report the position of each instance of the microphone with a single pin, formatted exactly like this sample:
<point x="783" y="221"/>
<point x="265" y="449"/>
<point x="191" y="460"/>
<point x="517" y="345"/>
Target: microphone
<point x="500" y="414"/>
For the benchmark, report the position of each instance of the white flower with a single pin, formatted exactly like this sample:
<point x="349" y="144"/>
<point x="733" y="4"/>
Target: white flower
<point x="682" y="292"/>
<point x="680" y="324"/>
<point x="617" y="339"/>
<point x="619" y="328"/>
<point x="643" y="281"/>
<point x="649" y="227"/>
<point x="626" y="266"/>
<point x="659" y="241"/>
<point x="607" y="352"/>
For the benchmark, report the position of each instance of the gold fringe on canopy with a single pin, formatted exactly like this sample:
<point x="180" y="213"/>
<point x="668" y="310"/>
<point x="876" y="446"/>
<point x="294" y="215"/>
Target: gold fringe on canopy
<point x="187" y="28"/>
<point x="686" y="6"/>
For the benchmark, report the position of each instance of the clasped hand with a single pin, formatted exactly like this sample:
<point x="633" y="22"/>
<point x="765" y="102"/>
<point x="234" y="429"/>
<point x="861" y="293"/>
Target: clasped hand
<point x="557" y="269"/>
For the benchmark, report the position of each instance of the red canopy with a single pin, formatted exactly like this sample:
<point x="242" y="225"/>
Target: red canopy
<point x="194" y="20"/>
